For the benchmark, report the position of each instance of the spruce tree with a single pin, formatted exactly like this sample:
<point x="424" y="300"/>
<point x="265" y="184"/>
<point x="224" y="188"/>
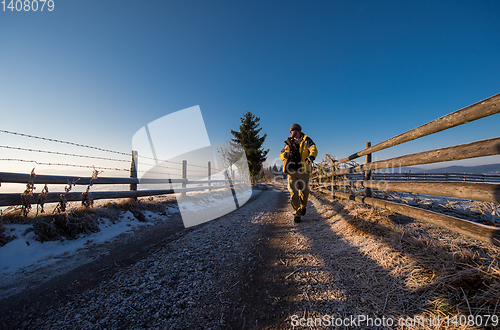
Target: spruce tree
<point x="248" y="137"/>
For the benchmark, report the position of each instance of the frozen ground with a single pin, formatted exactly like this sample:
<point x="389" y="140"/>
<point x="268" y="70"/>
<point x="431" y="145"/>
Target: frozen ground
<point x="24" y="256"/>
<point x="255" y="268"/>
<point x="25" y="253"/>
<point x="25" y="260"/>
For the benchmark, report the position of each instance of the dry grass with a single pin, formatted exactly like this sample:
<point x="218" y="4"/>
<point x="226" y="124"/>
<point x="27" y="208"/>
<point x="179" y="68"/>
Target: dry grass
<point x="28" y="194"/>
<point x="478" y="211"/>
<point x="79" y="219"/>
<point x="86" y="200"/>
<point x="435" y="271"/>
<point x="4" y="239"/>
<point x="64" y="225"/>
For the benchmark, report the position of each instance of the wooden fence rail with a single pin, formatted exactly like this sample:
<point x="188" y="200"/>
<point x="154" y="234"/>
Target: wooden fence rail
<point x="463" y="151"/>
<point x="438" y="177"/>
<point x="330" y="177"/>
<point x="468" y="228"/>
<point x="481" y="109"/>
<point x="469" y="177"/>
<point x="9" y="199"/>
<point x="487" y="192"/>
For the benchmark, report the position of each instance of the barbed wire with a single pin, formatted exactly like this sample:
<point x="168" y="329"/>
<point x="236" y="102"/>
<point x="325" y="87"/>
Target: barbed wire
<point x="78" y="155"/>
<point x="75" y="165"/>
<point x="64" y="153"/>
<point x="206" y="169"/>
<point x="213" y="168"/>
<point x="64" y="142"/>
<point x="85" y="156"/>
<point x="87" y="166"/>
<point x="191" y="171"/>
<point x="83" y="146"/>
<point x="159" y="160"/>
<point x="150" y="172"/>
<point x="158" y="166"/>
<point x="198" y="165"/>
<point x="62" y="164"/>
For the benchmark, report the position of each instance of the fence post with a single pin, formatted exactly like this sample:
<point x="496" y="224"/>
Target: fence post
<point x="133" y="171"/>
<point x="368" y="174"/>
<point x="184" y="176"/>
<point x="332" y="183"/>
<point x="209" y="176"/>
<point x="333" y="168"/>
<point x="319" y="175"/>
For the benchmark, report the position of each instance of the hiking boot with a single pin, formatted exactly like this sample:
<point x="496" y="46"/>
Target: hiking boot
<point x="296" y="219"/>
<point x="302" y="211"/>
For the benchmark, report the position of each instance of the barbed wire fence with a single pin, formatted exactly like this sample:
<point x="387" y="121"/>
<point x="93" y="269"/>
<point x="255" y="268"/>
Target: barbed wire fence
<point x="156" y="171"/>
<point x="163" y="164"/>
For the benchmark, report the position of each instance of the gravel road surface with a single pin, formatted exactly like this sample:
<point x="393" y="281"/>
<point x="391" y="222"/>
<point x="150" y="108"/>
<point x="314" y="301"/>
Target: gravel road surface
<point x="251" y="269"/>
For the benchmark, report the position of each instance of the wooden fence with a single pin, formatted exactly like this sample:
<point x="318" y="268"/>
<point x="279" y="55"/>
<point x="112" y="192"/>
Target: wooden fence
<point x="426" y="176"/>
<point x="9" y="199"/>
<point x="330" y="178"/>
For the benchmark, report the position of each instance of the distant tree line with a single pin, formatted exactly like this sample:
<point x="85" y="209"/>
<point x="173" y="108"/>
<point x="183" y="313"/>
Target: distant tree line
<point x="270" y="173"/>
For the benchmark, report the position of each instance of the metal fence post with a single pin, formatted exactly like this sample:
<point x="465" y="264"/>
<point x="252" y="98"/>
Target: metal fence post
<point x="184" y="176"/>
<point x="209" y="176"/>
<point x="133" y="171"/>
<point x="368" y="174"/>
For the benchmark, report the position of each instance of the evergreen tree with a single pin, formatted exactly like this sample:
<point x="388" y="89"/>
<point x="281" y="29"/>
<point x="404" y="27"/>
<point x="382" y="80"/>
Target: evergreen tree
<point x="248" y="137"/>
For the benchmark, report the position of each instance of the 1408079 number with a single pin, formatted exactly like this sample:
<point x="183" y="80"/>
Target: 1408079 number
<point x="28" y="5"/>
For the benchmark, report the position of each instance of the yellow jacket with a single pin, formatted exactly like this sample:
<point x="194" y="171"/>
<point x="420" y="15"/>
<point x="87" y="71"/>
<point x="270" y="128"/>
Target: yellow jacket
<point x="306" y="148"/>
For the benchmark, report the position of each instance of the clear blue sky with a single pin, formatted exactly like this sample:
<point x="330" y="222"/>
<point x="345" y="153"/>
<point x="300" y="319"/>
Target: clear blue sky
<point x="95" y="72"/>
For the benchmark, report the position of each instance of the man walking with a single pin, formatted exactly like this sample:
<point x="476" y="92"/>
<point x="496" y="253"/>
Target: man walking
<point x="298" y="155"/>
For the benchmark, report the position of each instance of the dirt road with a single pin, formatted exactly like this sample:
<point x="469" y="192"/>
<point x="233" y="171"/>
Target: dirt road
<point x="254" y="269"/>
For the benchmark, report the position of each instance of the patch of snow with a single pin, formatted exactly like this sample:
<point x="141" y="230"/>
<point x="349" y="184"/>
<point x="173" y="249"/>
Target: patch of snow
<point x="25" y="253"/>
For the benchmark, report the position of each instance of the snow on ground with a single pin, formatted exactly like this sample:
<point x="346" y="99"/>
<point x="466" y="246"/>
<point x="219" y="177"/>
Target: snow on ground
<point x="25" y="260"/>
<point x="25" y="253"/>
<point x="201" y="207"/>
